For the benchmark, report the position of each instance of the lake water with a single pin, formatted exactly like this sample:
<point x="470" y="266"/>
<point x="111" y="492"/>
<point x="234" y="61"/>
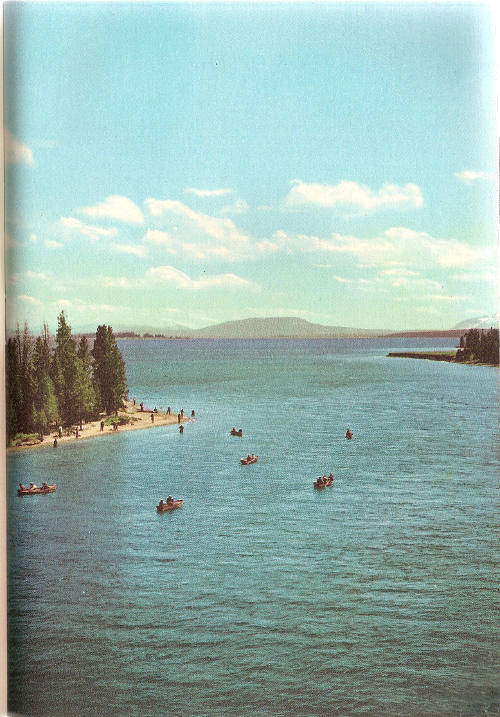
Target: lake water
<point x="262" y="596"/>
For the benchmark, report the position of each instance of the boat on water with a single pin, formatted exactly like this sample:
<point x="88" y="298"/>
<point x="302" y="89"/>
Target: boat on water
<point x="249" y="459"/>
<point x="32" y="489"/>
<point x="234" y="432"/>
<point x="164" y="505"/>
<point x="323" y="482"/>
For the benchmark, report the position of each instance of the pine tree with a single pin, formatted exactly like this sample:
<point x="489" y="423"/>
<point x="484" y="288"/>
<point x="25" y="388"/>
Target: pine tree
<point x="85" y="389"/>
<point x="44" y="397"/>
<point x="109" y="371"/>
<point x="64" y="373"/>
<point x="24" y="347"/>
<point x="13" y="388"/>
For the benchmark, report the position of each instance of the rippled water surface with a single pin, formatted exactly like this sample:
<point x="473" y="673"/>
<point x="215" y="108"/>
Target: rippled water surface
<point x="262" y="596"/>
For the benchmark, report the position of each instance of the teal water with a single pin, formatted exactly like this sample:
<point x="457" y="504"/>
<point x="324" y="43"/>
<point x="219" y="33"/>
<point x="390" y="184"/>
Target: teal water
<point x="262" y="596"/>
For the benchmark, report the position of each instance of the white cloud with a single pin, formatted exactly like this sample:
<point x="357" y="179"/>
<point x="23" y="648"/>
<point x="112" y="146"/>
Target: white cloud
<point x="222" y="229"/>
<point x="482" y="276"/>
<point x="352" y="194"/>
<point x="140" y="251"/>
<point x="155" y="236"/>
<point x="52" y="244"/>
<point x="237" y="207"/>
<point x="171" y="275"/>
<point x="16" y="152"/>
<point x="208" y="192"/>
<point x="30" y="275"/>
<point x="115" y="282"/>
<point x="87" y="230"/>
<point x="115" y="207"/>
<point x="397" y="250"/>
<point x="29" y="300"/>
<point x="447" y="298"/>
<point x="469" y="176"/>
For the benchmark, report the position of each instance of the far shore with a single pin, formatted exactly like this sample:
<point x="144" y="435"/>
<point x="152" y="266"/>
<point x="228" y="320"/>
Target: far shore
<point x="92" y="429"/>
<point x="449" y="356"/>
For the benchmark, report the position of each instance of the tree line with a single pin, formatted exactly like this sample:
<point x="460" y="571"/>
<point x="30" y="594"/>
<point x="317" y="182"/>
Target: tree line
<point x="479" y="345"/>
<point x="61" y="385"/>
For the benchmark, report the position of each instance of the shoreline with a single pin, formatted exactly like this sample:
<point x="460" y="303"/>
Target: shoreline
<point x="448" y="356"/>
<point x="141" y="420"/>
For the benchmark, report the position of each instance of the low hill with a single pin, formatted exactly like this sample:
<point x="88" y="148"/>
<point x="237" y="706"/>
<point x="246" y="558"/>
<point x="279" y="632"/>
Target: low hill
<point x="280" y="327"/>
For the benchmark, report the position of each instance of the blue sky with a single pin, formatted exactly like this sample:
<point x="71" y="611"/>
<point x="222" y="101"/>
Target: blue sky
<point x="197" y="163"/>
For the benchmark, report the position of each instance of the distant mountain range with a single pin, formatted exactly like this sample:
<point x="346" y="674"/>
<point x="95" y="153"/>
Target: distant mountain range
<point x="285" y="327"/>
<point x="278" y="327"/>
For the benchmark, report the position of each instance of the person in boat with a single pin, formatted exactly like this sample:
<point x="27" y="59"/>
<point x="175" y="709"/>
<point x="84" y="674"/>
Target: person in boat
<point x="348" y="433"/>
<point x="32" y="486"/>
<point x="44" y="485"/>
<point x="330" y="477"/>
<point x="170" y="500"/>
<point x="233" y="430"/>
<point x="249" y="457"/>
<point x="160" y="505"/>
<point x="21" y="487"/>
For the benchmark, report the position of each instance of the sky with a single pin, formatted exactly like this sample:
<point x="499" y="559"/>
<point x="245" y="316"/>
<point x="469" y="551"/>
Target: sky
<point x="193" y="163"/>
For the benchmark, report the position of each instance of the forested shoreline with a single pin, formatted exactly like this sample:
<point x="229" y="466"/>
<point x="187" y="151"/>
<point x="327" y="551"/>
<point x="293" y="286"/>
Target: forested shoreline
<point x="480" y="346"/>
<point x="477" y="346"/>
<point x="63" y="382"/>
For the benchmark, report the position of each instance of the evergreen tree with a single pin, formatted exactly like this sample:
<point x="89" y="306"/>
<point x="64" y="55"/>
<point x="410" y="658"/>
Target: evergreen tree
<point x="64" y="373"/>
<point x="109" y="371"/>
<point x="44" y="397"/>
<point x="24" y="347"/>
<point x="84" y="384"/>
<point x="13" y="388"/>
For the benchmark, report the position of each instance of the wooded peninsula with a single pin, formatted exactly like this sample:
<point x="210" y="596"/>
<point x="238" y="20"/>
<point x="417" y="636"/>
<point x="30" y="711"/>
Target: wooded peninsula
<point x="60" y="385"/>
<point x="477" y="346"/>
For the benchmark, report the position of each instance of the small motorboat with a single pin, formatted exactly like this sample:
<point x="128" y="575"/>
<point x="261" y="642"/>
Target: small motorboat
<point x="234" y="432"/>
<point x="323" y="483"/>
<point x="36" y="490"/>
<point x="164" y="505"/>
<point x="248" y="460"/>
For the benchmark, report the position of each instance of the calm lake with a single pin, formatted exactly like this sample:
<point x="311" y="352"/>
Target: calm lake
<point x="262" y="596"/>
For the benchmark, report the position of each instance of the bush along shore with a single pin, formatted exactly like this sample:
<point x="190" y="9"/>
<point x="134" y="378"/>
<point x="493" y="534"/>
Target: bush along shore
<point x="477" y="346"/>
<point x="60" y="389"/>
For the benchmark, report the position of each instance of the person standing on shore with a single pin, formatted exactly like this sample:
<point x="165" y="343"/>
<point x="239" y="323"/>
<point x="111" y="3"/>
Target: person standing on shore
<point x="152" y="418"/>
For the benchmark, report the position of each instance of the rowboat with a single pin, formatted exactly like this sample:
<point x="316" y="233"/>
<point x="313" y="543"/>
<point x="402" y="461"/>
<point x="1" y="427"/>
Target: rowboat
<point x="35" y="490"/>
<point x="234" y="432"/>
<point x="247" y="461"/>
<point x="318" y="485"/>
<point x="164" y="505"/>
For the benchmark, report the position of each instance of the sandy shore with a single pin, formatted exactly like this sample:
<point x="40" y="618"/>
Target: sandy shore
<point x="140" y="420"/>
